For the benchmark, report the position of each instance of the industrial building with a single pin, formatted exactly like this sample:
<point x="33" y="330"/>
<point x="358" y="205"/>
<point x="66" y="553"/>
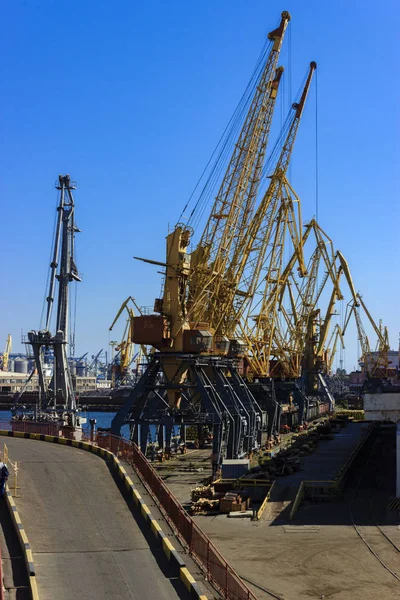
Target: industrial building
<point x="13" y="382"/>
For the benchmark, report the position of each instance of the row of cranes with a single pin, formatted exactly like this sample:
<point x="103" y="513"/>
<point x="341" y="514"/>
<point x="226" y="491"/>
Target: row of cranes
<point x="120" y="367"/>
<point x="240" y="326"/>
<point x="245" y="306"/>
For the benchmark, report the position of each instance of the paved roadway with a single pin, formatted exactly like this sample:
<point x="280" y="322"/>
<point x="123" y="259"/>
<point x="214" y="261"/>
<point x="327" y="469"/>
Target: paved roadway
<point x="329" y="456"/>
<point x="86" y="543"/>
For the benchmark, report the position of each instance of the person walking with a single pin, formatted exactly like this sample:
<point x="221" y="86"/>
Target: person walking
<point x="4" y="473"/>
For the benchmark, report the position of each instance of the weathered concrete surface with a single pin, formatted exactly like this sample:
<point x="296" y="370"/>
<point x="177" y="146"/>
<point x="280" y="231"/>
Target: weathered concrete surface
<point x="15" y="576"/>
<point x="86" y="543"/>
<point x="382" y="407"/>
<point x="319" y="554"/>
<point x="398" y="460"/>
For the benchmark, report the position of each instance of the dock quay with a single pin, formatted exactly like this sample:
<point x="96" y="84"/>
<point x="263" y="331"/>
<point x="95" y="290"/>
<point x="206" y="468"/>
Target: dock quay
<point x="97" y="403"/>
<point x="87" y="540"/>
<point x="319" y="553"/>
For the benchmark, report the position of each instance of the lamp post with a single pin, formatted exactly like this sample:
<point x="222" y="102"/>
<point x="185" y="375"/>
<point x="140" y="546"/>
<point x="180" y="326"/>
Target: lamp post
<point x="113" y="344"/>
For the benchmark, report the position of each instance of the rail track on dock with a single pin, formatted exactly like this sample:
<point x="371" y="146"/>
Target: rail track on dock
<point x="362" y="509"/>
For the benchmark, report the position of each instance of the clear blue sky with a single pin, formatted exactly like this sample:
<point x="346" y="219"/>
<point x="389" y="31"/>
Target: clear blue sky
<point x="130" y="98"/>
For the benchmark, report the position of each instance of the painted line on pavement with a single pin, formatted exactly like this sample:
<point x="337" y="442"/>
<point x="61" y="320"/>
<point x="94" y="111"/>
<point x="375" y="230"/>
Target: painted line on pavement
<point x="23" y="539"/>
<point x="175" y="559"/>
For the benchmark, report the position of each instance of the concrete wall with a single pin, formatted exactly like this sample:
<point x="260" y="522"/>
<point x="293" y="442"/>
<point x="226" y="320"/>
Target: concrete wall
<point x="382" y="407"/>
<point x="398" y="461"/>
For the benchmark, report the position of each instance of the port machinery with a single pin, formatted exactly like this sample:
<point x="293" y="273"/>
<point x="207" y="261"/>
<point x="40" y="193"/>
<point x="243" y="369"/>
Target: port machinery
<point x="6" y="353"/>
<point x="239" y="330"/>
<point x="57" y="399"/>
<point x="193" y="376"/>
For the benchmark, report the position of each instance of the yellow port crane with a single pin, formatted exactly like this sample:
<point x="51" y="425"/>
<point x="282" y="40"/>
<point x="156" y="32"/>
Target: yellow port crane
<point x="6" y="353"/>
<point x="179" y="385"/>
<point x="120" y="372"/>
<point x="375" y="364"/>
<point x="277" y="217"/>
<point x="290" y="330"/>
<point x="192" y="282"/>
<point x="219" y="250"/>
<point x="331" y="348"/>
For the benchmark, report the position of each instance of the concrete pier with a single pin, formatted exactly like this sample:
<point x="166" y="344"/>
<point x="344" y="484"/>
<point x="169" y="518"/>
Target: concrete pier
<point x="398" y="460"/>
<point x="86" y="543"/>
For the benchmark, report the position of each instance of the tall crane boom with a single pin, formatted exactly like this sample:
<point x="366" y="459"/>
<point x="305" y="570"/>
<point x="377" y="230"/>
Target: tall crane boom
<point x="233" y="206"/>
<point x="6" y="353"/>
<point x="274" y="216"/>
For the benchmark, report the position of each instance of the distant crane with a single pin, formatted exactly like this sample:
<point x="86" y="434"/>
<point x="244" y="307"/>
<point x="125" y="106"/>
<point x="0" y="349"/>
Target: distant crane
<point x="120" y="371"/>
<point x="95" y="362"/>
<point x="6" y="353"/>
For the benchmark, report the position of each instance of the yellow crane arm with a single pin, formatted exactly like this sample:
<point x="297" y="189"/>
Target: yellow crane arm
<point x="244" y="163"/>
<point x="336" y="335"/>
<point x="346" y="271"/>
<point x="123" y="306"/>
<point x="276" y="206"/>
<point x="378" y="332"/>
<point x="227" y="225"/>
<point x="6" y="353"/>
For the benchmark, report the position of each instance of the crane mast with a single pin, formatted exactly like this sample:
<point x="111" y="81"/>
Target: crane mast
<point x="59" y="395"/>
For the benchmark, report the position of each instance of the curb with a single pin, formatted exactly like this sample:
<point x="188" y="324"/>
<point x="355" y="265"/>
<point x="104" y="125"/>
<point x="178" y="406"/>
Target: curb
<point x="178" y="565"/>
<point x="176" y="561"/>
<point x="25" y="545"/>
<point x="1" y="578"/>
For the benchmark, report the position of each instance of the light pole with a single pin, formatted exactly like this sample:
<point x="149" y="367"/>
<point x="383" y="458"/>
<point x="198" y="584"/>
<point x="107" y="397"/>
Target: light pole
<point x="112" y="344"/>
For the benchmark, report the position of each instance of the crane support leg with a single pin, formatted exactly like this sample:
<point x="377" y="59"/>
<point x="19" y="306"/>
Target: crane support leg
<point x="211" y="394"/>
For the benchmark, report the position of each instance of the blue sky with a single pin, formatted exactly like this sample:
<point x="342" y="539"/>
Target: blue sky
<point x="130" y="98"/>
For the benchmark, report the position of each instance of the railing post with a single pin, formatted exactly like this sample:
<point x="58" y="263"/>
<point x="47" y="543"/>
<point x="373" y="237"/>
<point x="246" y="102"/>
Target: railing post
<point x="15" y="478"/>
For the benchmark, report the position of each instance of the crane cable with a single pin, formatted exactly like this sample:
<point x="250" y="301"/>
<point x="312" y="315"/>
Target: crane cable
<point x="316" y="149"/>
<point x="226" y="140"/>
<point x="226" y="149"/>
<point x="316" y="154"/>
<point x="50" y="260"/>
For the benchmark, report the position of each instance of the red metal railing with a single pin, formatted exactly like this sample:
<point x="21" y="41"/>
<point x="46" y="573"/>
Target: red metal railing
<point x="200" y="547"/>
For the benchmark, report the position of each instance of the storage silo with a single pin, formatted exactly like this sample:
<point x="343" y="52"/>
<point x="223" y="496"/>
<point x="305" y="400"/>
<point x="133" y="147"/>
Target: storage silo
<point x="81" y="369"/>
<point x="20" y="365"/>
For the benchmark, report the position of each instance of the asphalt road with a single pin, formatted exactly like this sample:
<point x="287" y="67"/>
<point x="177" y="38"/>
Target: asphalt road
<point x="86" y="543"/>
